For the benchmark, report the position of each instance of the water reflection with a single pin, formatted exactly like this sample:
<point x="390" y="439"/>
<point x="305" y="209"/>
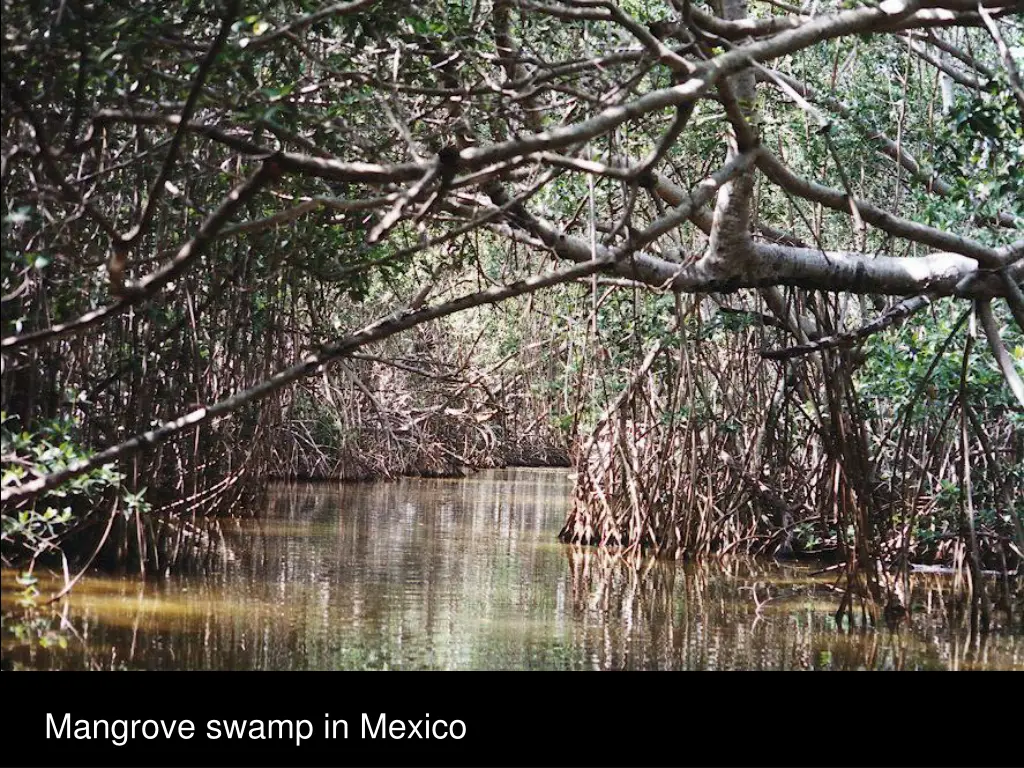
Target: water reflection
<point x="456" y="574"/>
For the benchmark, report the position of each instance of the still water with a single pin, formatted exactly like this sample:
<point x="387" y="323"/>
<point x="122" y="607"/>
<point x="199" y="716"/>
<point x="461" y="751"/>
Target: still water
<point x="462" y="574"/>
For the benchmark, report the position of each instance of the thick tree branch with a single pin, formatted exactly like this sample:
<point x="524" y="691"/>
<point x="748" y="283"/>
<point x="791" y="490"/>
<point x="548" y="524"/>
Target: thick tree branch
<point x="775" y="170"/>
<point x="941" y="274"/>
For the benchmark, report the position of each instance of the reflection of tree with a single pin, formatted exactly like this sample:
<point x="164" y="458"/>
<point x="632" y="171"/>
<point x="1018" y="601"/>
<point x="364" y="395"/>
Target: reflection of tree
<point x="738" y="613"/>
<point x="467" y="573"/>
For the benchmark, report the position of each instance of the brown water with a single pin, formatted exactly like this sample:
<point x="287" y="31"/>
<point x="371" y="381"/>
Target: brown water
<point x="457" y="574"/>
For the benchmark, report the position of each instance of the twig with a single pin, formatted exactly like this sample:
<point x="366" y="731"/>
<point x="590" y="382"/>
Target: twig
<point x="901" y="311"/>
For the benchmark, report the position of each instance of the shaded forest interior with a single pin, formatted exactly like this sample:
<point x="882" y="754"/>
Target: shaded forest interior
<point x="751" y="271"/>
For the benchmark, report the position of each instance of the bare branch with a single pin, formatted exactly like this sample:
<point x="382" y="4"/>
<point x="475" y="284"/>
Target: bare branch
<point x="1003" y="360"/>
<point x="1007" y="58"/>
<point x="131" y="237"/>
<point x="899" y="312"/>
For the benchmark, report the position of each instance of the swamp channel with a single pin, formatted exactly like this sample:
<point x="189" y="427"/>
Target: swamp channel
<point x="468" y="574"/>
